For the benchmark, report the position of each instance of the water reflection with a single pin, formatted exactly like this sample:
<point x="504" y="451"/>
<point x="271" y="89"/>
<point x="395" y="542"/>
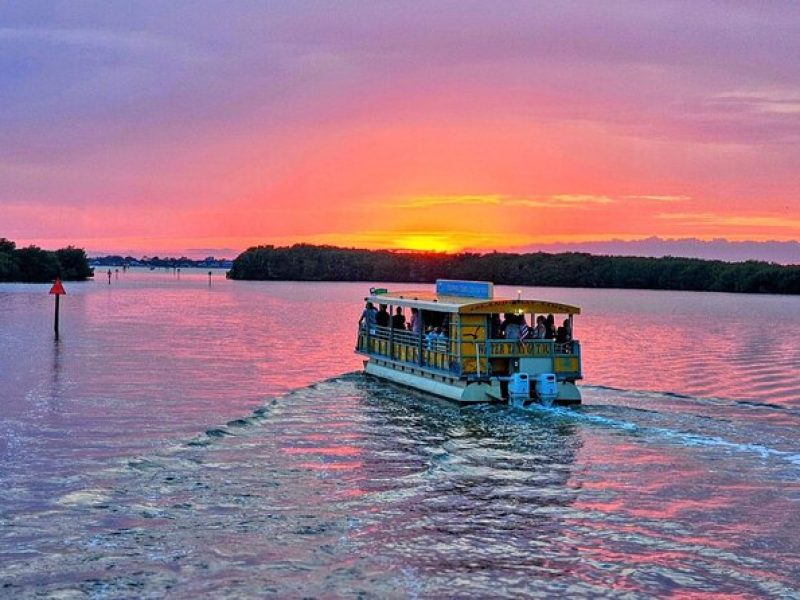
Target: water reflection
<point x="309" y="483"/>
<point x="54" y="393"/>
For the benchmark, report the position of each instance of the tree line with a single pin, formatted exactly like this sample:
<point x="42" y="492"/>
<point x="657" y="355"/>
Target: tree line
<point x="304" y="262"/>
<point x="34" y="265"/>
<point x="117" y="260"/>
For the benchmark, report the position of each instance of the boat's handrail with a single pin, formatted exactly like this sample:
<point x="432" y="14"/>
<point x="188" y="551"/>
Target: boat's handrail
<point x="410" y="344"/>
<point x="529" y="346"/>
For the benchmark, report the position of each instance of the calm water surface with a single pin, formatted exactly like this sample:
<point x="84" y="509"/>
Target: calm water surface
<point x="191" y="441"/>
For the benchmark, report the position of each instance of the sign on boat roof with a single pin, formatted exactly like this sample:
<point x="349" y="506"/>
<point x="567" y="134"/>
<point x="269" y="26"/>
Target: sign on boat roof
<point x="466" y="297"/>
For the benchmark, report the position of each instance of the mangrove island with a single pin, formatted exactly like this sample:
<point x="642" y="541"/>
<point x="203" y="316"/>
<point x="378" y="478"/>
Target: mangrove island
<point x="304" y="262"/>
<point x="34" y="265"/>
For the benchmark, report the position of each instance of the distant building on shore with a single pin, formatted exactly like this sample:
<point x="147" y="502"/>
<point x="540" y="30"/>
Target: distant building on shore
<point x="183" y="262"/>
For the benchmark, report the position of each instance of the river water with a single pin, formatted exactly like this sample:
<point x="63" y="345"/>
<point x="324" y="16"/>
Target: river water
<point x="187" y="440"/>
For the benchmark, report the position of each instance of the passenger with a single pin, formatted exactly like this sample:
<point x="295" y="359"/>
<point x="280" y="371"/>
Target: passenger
<point x="550" y="327"/>
<point x="540" y="330"/>
<point x="367" y="319"/>
<point x="431" y="337"/>
<point x="383" y="317"/>
<point x="564" y="334"/>
<point x="398" y="319"/>
<point x="440" y="339"/>
<point x="416" y="321"/>
<point x="506" y="321"/>
<point x="511" y="327"/>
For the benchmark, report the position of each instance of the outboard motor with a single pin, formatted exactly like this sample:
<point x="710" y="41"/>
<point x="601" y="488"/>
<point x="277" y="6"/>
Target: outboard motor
<point x="519" y="389"/>
<point x="546" y="388"/>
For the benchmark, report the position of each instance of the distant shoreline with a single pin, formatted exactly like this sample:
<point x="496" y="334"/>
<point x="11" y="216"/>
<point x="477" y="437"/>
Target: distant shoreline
<point x="304" y="262"/>
<point x="160" y="263"/>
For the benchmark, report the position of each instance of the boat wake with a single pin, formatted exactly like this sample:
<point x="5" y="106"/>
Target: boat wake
<point x="688" y="430"/>
<point x="713" y="400"/>
<point x="352" y="477"/>
<point x="650" y="423"/>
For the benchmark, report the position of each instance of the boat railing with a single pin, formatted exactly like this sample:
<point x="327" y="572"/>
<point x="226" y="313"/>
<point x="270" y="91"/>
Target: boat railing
<point x="465" y="355"/>
<point x="504" y="348"/>
<point x="406" y="346"/>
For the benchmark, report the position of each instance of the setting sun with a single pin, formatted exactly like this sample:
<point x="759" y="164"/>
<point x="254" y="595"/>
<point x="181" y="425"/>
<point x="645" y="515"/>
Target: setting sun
<point x="426" y="242"/>
<point x="291" y="136"/>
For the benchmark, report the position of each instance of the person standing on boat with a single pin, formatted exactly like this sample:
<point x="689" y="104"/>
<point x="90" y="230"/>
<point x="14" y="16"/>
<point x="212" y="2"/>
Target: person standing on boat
<point x="511" y="327"/>
<point x="398" y="319"/>
<point x="416" y="321"/>
<point x="550" y="327"/>
<point x="382" y="318"/>
<point x="368" y="317"/>
<point x="540" y="331"/>
<point x="564" y="333"/>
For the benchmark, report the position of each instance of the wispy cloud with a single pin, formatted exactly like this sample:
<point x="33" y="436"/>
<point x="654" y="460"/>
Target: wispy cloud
<point x="428" y="201"/>
<point x="753" y="221"/>
<point x="557" y="200"/>
<point x="539" y="201"/>
<point x="230" y="117"/>
<point x="770" y="100"/>
<point x="658" y="198"/>
<point x="438" y="240"/>
<point x="139" y="42"/>
<point x="553" y="201"/>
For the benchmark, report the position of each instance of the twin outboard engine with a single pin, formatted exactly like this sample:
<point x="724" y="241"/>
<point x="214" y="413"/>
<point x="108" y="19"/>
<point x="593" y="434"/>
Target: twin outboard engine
<point x="546" y="388"/>
<point x="519" y="389"/>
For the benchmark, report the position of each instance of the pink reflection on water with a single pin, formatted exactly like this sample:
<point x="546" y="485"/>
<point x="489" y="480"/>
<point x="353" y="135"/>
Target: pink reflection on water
<point x="155" y="360"/>
<point x="666" y="507"/>
<point x="332" y="466"/>
<point x="325" y="451"/>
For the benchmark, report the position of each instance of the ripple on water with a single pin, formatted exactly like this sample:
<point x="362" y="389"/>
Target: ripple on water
<point x="399" y="496"/>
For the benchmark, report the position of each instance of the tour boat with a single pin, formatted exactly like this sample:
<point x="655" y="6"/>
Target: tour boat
<point x="467" y="346"/>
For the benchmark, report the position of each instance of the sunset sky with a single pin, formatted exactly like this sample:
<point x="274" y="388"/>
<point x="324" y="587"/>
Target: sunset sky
<point x="207" y="127"/>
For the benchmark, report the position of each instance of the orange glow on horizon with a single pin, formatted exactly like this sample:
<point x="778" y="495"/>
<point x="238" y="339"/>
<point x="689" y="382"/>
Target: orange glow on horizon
<point x="426" y="243"/>
<point x="479" y="185"/>
<point x="366" y="132"/>
<point x="415" y="241"/>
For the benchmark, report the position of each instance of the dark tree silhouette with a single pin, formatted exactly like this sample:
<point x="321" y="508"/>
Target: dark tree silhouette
<point x="303" y="262"/>
<point x="34" y="265"/>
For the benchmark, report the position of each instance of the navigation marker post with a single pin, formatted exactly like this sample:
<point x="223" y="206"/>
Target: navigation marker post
<point x="57" y="290"/>
<point x="209" y="279"/>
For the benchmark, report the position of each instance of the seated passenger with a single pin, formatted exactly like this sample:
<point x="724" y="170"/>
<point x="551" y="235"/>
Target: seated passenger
<point x="441" y="339"/>
<point x="430" y="338"/>
<point x="398" y="319"/>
